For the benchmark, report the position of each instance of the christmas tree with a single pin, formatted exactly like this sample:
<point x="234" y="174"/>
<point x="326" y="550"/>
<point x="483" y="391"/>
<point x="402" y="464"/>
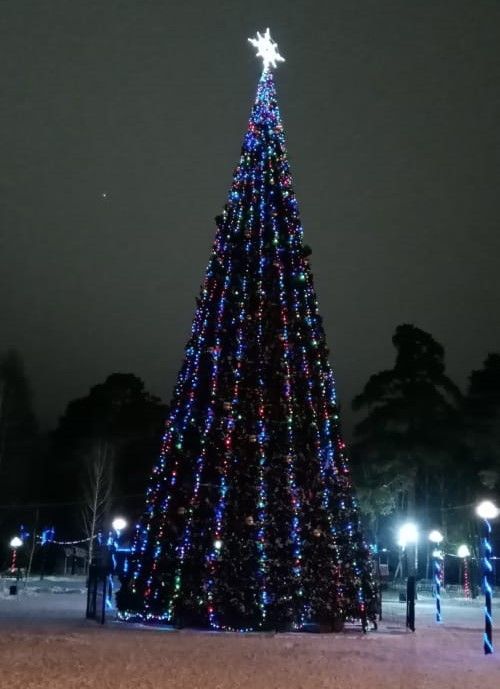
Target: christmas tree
<point x="250" y="520"/>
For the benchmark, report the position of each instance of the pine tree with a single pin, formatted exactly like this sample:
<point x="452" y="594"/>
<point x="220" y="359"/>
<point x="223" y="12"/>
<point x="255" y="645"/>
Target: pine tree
<point x="250" y="520"/>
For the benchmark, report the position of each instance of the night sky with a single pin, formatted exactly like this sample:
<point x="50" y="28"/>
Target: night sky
<point x="121" y="123"/>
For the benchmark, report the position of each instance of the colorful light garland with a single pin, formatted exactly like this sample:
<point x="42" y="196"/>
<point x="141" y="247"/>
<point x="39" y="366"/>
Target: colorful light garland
<point x="252" y="443"/>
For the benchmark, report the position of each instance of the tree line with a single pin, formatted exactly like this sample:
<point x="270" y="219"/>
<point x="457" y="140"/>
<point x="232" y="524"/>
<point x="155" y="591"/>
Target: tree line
<point x="422" y="447"/>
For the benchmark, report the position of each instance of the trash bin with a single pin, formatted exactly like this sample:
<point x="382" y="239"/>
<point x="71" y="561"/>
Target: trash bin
<point x="13" y="590"/>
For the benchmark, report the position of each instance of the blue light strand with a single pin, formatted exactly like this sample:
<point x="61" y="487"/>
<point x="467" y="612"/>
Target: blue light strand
<point x="185" y="544"/>
<point x="487" y="572"/>
<point x="298" y="268"/>
<point x="289" y="398"/>
<point x="176" y="430"/>
<point x="337" y="464"/>
<point x="262" y="489"/>
<point x="437" y="585"/>
<point x="161" y="468"/>
<point x="213" y="554"/>
<point x="253" y="142"/>
<point x="143" y="530"/>
<point x="301" y="270"/>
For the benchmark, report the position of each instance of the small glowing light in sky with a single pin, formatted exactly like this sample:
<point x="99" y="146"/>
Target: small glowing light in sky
<point x="218" y="545"/>
<point x="267" y="49"/>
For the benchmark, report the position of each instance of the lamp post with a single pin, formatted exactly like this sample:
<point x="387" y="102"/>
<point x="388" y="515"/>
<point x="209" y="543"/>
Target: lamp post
<point x="464" y="553"/>
<point x="408" y="536"/>
<point x="487" y="511"/>
<point x="15" y="543"/>
<point x="436" y="537"/>
<point x="118" y="524"/>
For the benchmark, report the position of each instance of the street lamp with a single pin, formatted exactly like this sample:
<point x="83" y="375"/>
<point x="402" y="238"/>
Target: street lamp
<point x="436" y="537"/>
<point x="486" y="510"/>
<point x="408" y="536"/>
<point x="464" y="553"/>
<point x="15" y="543"/>
<point x="118" y="524"/>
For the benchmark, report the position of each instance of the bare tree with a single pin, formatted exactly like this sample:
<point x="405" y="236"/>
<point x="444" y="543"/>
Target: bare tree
<point x="97" y="490"/>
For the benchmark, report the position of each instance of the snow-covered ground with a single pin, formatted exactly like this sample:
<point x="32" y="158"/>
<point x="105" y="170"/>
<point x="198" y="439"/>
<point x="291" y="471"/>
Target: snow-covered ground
<point x="45" y="643"/>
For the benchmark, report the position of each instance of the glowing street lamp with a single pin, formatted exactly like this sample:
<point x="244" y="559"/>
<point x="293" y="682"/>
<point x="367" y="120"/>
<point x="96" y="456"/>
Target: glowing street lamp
<point x="486" y="510"/>
<point x="118" y="524"/>
<point x="464" y="553"/>
<point x="408" y="536"/>
<point x="14" y="543"/>
<point x="436" y="537"/>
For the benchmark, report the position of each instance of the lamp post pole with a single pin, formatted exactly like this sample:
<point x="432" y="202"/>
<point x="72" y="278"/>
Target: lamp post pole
<point x="487" y="511"/>
<point x="464" y="553"/>
<point x="408" y="536"/>
<point x="437" y="558"/>
<point x="487" y="569"/>
<point x="436" y="537"/>
<point x="15" y="543"/>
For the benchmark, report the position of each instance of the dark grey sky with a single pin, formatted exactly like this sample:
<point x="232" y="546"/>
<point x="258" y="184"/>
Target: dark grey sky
<point x="391" y="110"/>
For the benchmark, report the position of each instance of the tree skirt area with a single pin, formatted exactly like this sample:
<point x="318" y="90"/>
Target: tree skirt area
<point x="45" y="643"/>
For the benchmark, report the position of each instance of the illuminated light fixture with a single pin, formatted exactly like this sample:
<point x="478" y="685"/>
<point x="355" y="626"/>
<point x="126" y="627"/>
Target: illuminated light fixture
<point x="487" y="510"/>
<point x="435" y="536"/>
<point x="14" y="543"/>
<point x="267" y="49"/>
<point x="217" y="544"/>
<point x="119" y="523"/>
<point x="408" y="533"/>
<point x="463" y="551"/>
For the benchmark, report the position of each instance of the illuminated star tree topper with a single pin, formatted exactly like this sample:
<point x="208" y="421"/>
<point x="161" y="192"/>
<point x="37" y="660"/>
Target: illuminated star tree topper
<point x="267" y="49"/>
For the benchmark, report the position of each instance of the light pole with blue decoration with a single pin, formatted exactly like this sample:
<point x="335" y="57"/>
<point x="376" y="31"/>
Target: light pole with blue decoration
<point x="487" y="511"/>
<point x="436" y="537"/>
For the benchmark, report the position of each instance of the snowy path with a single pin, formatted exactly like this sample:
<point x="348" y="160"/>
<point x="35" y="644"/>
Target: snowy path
<point x="46" y="644"/>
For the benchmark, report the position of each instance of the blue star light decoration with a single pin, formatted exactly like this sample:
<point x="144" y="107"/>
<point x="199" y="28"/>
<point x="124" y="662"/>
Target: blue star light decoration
<point x="267" y="49"/>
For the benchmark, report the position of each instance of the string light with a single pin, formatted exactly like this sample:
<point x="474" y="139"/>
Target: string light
<point x="252" y="443"/>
